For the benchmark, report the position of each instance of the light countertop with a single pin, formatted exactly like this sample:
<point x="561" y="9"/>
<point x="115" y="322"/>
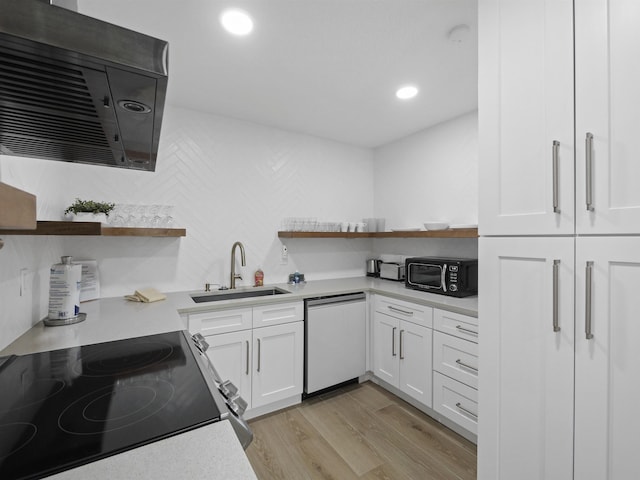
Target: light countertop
<point x="319" y="288"/>
<point x="211" y="452"/>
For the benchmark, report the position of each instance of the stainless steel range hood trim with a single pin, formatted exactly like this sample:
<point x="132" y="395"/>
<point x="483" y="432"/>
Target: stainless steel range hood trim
<point x="111" y="63"/>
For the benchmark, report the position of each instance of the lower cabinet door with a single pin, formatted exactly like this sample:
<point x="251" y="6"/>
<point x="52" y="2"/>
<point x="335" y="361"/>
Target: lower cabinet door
<point x="456" y="401"/>
<point x="277" y="363"/>
<point x="385" y="349"/>
<point x="526" y="358"/>
<point x="607" y="358"/>
<point x="414" y="352"/>
<point x="230" y="354"/>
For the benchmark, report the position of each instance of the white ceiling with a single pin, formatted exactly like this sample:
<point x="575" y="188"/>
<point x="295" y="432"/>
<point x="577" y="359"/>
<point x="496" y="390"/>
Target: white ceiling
<point x="328" y="68"/>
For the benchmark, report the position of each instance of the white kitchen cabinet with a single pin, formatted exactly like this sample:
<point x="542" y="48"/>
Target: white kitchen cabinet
<point x="230" y="353"/>
<point x="265" y="363"/>
<point x="456" y="401"/>
<point x="525" y="427"/>
<point x="607" y="116"/>
<point x="455" y="368"/>
<point x="526" y="117"/>
<point x="402" y="351"/>
<point x="278" y="363"/>
<point x="607" y="391"/>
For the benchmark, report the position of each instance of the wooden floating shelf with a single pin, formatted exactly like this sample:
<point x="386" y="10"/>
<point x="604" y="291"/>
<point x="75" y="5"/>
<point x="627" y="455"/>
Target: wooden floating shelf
<point x="450" y="233"/>
<point x="95" y="229"/>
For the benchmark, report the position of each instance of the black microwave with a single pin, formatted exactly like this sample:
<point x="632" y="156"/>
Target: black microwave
<point x="456" y="277"/>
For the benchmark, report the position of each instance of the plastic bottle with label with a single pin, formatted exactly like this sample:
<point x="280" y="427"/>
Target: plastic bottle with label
<point x="64" y="290"/>
<point x="259" y="278"/>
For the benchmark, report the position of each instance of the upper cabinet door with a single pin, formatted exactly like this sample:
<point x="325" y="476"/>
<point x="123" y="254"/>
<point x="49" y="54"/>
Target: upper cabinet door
<point x="526" y="117"/>
<point x="607" y="116"/>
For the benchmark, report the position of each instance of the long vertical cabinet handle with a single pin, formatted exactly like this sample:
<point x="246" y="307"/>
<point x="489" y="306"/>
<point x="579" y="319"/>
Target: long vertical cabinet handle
<point x="401" y="349"/>
<point x="556" y="273"/>
<point x="556" y="188"/>
<point x="247" y="370"/>
<point x="393" y="341"/>
<point x="587" y="314"/>
<point x="258" y="355"/>
<point x="588" y="145"/>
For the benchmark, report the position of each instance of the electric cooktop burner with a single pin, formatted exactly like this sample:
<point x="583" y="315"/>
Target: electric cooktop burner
<point x="65" y="408"/>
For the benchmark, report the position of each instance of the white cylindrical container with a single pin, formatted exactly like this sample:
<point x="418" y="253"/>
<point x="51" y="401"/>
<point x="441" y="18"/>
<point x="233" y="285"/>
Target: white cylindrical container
<point x="64" y="290"/>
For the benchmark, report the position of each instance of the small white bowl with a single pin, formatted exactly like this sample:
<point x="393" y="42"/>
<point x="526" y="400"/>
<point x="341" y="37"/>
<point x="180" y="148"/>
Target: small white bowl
<point x="436" y="225"/>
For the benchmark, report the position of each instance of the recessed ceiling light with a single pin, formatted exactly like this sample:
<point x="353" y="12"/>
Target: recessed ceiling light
<point x="236" y="22"/>
<point x="406" y="92"/>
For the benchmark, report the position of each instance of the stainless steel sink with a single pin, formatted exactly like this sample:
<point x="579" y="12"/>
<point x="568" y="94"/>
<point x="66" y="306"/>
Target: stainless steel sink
<point x="236" y="293"/>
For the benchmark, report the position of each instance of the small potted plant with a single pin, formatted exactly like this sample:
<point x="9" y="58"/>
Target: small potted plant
<point x="89" y="211"/>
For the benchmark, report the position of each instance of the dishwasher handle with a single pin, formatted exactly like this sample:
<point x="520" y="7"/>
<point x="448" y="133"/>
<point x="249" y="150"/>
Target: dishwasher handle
<point x="353" y="297"/>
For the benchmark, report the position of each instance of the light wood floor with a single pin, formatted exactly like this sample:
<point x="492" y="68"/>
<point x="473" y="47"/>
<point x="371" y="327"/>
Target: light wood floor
<point x="358" y="432"/>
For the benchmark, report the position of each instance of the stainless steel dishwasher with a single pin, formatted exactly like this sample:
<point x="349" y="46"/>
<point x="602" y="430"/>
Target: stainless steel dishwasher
<point x="335" y="340"/>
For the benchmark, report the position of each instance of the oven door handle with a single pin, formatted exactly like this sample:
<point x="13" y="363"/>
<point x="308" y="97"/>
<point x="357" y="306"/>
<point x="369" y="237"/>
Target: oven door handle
<point x="443" y="278"/>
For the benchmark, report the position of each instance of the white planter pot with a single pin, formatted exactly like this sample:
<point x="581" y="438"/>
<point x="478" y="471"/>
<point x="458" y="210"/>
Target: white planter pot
<point x="89" y="217"/>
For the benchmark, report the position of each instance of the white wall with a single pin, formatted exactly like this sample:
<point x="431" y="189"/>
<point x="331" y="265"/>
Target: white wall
<point x="429" y="176"/>
<point x="230" y="180"/>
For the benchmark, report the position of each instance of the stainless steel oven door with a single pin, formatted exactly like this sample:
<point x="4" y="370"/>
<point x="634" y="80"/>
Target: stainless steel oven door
<point x="427" y="276"/>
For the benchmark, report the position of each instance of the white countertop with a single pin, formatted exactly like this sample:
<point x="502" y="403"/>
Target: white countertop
<point x="318" y="288"/>
<point x="107" y="319"/>
<point x="211" y="452"/>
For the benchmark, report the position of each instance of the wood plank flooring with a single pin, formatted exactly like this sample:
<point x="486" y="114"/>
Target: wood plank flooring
<point x="358" y="432"/>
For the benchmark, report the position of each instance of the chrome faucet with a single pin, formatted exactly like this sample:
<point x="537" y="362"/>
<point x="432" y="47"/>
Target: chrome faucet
<point x="234" y="275"/>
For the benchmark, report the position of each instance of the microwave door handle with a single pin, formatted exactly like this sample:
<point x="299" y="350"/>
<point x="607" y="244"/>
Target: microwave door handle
<point x="443" y="277"/>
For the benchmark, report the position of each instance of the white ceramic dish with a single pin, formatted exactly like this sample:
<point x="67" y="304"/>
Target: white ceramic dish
<point x="436" y="225"/>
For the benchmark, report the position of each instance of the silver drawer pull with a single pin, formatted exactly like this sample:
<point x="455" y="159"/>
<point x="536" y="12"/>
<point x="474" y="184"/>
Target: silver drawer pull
<point x="393" y="341"/>
<point x="247" y="371"/>
<point x="259" y="348"/>
<point x="464" y="365"/>
<point x="466" y="330"/>
<point x="468" y="412"/>
<point x="587" y="314"/>
<point x="589" y="170"/>
<point x="404" y="312"/>
<point x="556" y="272"/>
<point x="556" y="148"/>
<point x="401" y="352"/>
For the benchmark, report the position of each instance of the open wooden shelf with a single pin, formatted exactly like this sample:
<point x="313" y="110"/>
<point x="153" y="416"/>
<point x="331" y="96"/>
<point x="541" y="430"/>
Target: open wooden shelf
<point x="95" y="229"/>
<point x="450" y="233"/>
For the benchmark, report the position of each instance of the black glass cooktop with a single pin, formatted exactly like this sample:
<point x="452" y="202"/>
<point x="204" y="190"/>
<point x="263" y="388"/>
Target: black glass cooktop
<point x="68" y="407"/>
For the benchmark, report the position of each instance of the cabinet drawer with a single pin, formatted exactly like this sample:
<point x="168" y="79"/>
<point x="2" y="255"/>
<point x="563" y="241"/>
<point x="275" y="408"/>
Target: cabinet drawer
<point x="220" y="321"/>
<point x="411" y="312"/>
<point x="456" y="401"/>
<point x="461" y="326"/>
<point x="277" y="313"/>
<point x="456" y="358"/>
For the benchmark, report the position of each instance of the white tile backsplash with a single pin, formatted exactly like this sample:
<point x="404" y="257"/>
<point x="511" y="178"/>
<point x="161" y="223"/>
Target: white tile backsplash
<point x="229" y="180"/>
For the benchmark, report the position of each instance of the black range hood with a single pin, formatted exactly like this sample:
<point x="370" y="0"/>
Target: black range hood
<point x="77" y="89"/>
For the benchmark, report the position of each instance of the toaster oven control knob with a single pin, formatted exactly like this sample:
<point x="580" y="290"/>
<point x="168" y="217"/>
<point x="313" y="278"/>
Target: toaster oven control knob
<point x="228" y="389"/>
<point x="453" y="288"/>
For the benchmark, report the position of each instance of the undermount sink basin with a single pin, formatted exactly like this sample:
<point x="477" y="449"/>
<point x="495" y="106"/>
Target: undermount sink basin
<point x="235" y="294"/>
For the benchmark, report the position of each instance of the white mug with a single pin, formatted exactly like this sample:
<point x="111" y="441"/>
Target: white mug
<point x="360" y="227"/>
<point x="344" y="226"/>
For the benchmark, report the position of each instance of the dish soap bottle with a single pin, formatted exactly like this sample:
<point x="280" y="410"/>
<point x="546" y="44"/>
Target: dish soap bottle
<point x="259" y="277"/>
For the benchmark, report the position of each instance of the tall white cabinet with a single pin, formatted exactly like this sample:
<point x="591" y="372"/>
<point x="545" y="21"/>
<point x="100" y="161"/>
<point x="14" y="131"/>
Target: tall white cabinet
<point x="558" y="299"/>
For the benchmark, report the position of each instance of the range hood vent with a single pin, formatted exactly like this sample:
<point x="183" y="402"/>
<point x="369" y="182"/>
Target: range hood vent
<point x="77" y="89"/>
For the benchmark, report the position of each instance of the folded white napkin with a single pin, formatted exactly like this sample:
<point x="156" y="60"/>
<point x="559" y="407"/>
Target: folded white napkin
<point x="147" y="295"/>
